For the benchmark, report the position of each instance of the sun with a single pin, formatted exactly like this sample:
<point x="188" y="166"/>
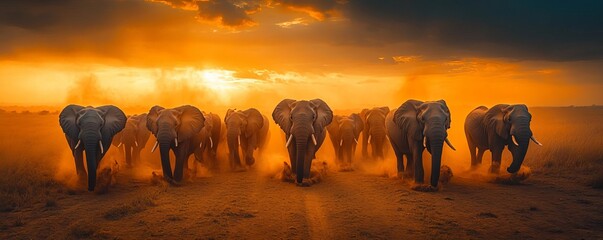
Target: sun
<point x="218" y="79"/>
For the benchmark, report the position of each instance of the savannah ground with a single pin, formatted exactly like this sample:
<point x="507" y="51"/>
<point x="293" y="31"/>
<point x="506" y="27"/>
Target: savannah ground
<point x="40" y="198"/>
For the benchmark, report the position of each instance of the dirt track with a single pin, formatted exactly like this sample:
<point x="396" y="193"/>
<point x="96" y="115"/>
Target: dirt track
<point x="346" y="205"/>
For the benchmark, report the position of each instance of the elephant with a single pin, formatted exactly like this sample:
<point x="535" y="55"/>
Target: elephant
<point x="344" y="132"/>
<point x="133" y="138"/>
<point x="374" y="132"/>
<point x="175" y="129"/>
<point x="209" y="139"/>
<point x="493" y="129"/>
<point x="417" y="125"/>
<point x="246" y="130"/>
<point x="90" y="129"/>
<point x="304" y="123"/>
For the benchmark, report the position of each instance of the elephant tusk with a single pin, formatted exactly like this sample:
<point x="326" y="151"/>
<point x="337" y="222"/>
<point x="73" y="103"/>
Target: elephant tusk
<point x="341" y="143"/>
<point x="119" y="145"/>
<point x="136" y="143"/>
<point x="369" y="139"/>
<point x="356" y="140"/>
<point x="514" y="140"/>
<point x="449" y="144"/>
<point x="425" y="142"/>
<point x="78" y="143"/>
<point x="155" y="146"/>
<point x="535" y="141"/>
<point x="176" y="141"/>
<point x="100" y="143"/>
<point x="201" y="145"/>
<point x="211" y="142"/>
<point x="314" y="139"/>
<point x="289" y="141"/>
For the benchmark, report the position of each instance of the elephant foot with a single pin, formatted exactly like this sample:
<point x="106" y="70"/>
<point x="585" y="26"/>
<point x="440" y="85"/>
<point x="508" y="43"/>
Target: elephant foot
<point x="495" y="169"/>
<point x="239" y="169"/>
<point x="513" y="178"/>
<point x="346" y="168"/>
<point x="424" y="188"/>
<point x="408" y="175"/>
<point x="305" y="183"/>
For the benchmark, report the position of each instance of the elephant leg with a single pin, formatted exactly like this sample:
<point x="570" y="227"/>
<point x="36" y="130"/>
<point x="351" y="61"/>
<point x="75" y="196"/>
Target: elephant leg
<point x="472" y="151"/>
<point x="418" y="164"/>
<point x="179" y="168"/>
<point x="365" y="144"/>
<point x="399" y="159"/>
<point x="136" y="155"/>
<point x="410" y="166"/>
<point x="400" y="164"/>
<point x="496" y="159"/>
<point x="308" y="164"/>
<point x="293" y="158"/>
<point x="480" y="155"/>
<point x="78" y="156"/>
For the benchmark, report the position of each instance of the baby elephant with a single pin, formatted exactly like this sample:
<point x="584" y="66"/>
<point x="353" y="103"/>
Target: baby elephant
<point x="209" y="138"/>
<point x="133" y="138"/>
<point x="493" y="129"/>
<point x="248" y="130"/>
<point x="344" y="132"/>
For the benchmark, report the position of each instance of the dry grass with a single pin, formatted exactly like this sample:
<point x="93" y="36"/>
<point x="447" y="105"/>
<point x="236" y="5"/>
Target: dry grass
<point x="572" y="138"/>
<point x="137" y="205"/>
<point x="33" y="150"/>
<point x="28" y="158"/>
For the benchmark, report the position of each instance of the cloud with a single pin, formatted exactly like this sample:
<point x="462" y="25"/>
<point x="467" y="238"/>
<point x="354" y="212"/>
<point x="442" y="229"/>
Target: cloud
<point x="551" y="30"/>
<point x="290" y="24"/>
<point x="318" y="9"/>
<point x="237" y="13"/>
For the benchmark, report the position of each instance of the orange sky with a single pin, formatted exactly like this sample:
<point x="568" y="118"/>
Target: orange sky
<point x="141" y="53"/>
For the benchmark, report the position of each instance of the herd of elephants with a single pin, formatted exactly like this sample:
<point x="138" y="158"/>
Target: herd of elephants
<point x="410" y="129"/>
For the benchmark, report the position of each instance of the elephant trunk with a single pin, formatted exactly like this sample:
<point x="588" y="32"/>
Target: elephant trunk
<point x="522" y="135"/>
<point x="301" y="141"/>
<point x="128" y="149"/>
<point x="91" y="162"/>
<point x="165" y="139"/>
<point x="232" y="137"/>
<point x="347" y="147"/>
<point x="436" y="137"/>
<point x="91" y="139"/>
<point x="377" y="141"/>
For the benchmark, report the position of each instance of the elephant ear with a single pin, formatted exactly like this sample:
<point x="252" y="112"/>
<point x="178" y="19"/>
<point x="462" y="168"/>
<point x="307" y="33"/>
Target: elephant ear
<point x="152" y="118"/>
<point x="116" y="139"/>
<point x="324" y="115"/>
<point x="407" y="118"/>
<point x="363" y="114"/>
<point x="255" y="121"/>
<point x="447" y="111"/>
<point x="68" y="121"/>
<point x="229" y="113"/>
<point x="497" y="120"/>
<point x="384" y="110"/>
<point x="142" y="133"/>
<point x="282" y="115"/>
<point x="358" y="124"/>
<point x="333" y="128"/>
<point x="115" y="121"/>
<point x="191" y="122"/>
<point x="209" y="121"/>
